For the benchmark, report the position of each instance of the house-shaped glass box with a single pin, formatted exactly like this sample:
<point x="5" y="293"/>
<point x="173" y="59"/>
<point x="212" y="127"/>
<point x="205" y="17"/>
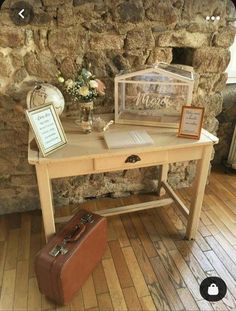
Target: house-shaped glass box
<point x="153" y="96"/>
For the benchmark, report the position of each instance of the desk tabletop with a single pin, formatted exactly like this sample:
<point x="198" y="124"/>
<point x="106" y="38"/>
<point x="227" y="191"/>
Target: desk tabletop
<point x="93" y="145"/>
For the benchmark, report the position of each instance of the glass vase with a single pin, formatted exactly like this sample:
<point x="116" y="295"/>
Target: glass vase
<point x="86" y="117"/>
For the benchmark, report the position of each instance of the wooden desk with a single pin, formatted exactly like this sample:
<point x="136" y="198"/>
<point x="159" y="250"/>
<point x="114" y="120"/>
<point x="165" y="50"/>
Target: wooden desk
<point x="88" y="154"/>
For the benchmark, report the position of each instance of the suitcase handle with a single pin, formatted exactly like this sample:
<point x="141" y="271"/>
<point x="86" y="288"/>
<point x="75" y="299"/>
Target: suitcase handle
<point x="72" y="236"/>
<point x="75" y="234"/>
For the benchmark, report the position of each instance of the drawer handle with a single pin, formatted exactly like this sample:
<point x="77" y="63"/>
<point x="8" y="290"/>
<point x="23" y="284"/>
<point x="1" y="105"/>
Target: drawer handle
<point x="133" y="159"/>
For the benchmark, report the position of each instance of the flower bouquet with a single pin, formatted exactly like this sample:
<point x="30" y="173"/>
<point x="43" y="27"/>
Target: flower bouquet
<point x="84" y="89"/>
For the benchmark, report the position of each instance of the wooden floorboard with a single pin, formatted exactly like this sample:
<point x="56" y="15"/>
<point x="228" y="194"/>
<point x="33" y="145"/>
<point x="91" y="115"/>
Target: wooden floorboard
<point x="148" y="265"/>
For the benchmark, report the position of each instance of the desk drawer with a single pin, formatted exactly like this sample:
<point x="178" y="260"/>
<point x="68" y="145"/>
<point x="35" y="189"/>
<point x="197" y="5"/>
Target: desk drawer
<point x="70" y="168"/>
<point x="129" y="161"/>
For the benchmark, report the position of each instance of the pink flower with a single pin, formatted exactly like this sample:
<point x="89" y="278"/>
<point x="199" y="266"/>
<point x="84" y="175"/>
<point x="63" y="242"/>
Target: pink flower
<point x="101" y="87"/>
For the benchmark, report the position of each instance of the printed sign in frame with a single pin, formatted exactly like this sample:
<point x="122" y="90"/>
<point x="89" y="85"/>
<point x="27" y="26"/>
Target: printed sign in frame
<point x="191" y="122"/>
<point x="47" y="128"/>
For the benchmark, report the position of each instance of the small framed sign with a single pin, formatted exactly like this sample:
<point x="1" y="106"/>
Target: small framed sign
<point x="47" y="128"/>
<point x="191" y="122"/>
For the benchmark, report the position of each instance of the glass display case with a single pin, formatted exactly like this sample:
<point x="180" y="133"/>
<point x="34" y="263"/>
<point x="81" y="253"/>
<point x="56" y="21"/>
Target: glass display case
<point x="153" y="96"/>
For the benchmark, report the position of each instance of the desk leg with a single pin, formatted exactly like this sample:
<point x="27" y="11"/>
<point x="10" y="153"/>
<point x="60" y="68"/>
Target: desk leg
<point x="163" y="172"/>
<point x="198" y="192"/>
<point x="45" y="193"/>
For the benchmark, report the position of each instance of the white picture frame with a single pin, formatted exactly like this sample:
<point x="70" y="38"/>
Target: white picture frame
<point x="47" y="128"/>
<point x="191" y="122"/>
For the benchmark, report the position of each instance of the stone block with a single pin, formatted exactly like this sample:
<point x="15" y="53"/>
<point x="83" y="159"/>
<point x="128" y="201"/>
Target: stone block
<point x="191" y="170"/>
<point x="5" y="166"/>
<point x="24" y="167"/>
<point x="7" y="193"/>
<point x="102" y="26"/>
<point x="214" y="60"/>
<point x="16" y="59"/>
<point x="42" y="18"/>
<point x="140" y="39"/>
<point x="212" y="103"/>
<point x="201" y="26"/>
<point x="81" y="2"/>
<point x="20" y="75"/>
<point x="5" y="65"/>
<point x="105" y="104"/>
<point x="12" y="119"/>
<point x="198" y="10"/>
<point x="134" y="174"/>
<point x="182" y="38"/>
<point x="225" y="37"/>
<point x="60" y="201"/>
<point x="123" y="28"/>
<point x="65" y="16"/>
<point x="5" y="19"/>
<point x="212" y="82"/>
<point x="160" y="55"/>
<point x="18" y="93"/>
<point x="131" y="11"/>
<point x="17" y="204"/>
<point x="66" y="41"/>
<point x="227" y="123"/>
<point x="12" y="37"/>
<point x="8" y="158"/>
<point x="120" y="62"/>
<point x="41" y="65"/>
<point x="9" y="139"/>
<point x="5" y="181"/>
<point x="179" y="176"/>
<point x="120" y="194"/>
<point x="174" y="180"/>
<point x="106" y="42"/>
<point x="162" y="12"/>
<point x="8" y="3"/>
<point x="68" y="67"/>
<point x="137" y="58"/>
<point x="23" y="180"/>
<point x="211" y="124"/>
<point x="56" y="2"/>
<point x="6" y="104"/>
<point x="87" y="11"/>
<point x="229" y="95"/>
<point x="100" y="64"/>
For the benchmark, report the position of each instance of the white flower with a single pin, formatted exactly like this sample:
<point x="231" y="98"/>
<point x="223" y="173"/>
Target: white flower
<point x="69" y="83"/>
<point x="84" y="91"/>
<point x="93" y="84"/>
<point x="61" y="79"/>
<point x="89" y="74"/>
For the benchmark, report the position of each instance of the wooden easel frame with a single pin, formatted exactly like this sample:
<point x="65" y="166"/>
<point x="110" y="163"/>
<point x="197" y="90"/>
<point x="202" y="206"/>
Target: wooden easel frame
<point x="181" y="133"/>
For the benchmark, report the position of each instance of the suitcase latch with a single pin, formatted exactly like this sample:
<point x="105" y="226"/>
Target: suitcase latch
<point x="57" y="250"/>
<point x="60" y="248"/>
<point x="87" y="218"/>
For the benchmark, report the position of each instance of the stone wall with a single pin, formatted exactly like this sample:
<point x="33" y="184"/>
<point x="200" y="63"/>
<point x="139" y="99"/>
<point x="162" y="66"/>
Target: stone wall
<point x="227" y="122"/>
<point x="111" y="35"/>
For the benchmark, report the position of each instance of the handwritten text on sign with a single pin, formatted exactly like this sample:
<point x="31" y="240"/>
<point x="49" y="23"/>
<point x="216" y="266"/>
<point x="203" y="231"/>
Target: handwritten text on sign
<point x="47" y="128"/>
<point x="191" y="121"/>
<point x="151" y="100"/>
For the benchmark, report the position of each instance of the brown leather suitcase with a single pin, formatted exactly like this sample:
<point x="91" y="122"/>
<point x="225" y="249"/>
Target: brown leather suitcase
<point x="65" y="263"/>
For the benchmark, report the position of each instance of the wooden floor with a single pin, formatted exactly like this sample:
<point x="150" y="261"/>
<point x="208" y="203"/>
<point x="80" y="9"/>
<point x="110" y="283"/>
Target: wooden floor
<point x="147" y="265"/>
